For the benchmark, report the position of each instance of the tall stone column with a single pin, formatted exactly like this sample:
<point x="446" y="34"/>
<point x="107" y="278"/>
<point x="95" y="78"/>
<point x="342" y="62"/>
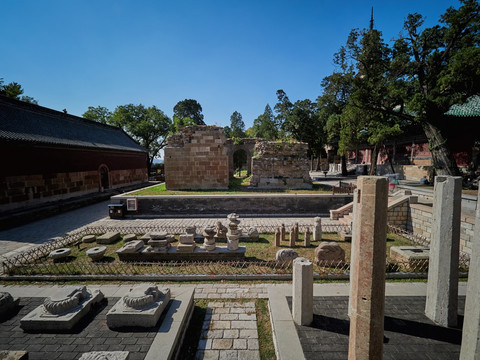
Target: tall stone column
<point x="302" y="297"/>
<point x="367" y="270"/>
<point x="471" y="324"/>
<point x="442" y="288"/>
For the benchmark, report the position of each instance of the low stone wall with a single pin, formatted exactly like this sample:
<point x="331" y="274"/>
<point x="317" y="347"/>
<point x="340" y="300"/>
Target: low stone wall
<point x="280" y="165"/>
<point x="243" y="205"/>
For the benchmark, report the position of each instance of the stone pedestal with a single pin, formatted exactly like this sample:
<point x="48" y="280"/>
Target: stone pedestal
<point x="367" y="274"/>
<point x="209" y="238"/>
<point x="277" y="237"/>
<point x="442" y="287"/>
<point x="302" y="297"/>
<point x="62" y="310"/>
<point x="186" y="243"/>
<point x="471" y="323"/>
<point x="141" y="307"/>
<point x="234" y="232"/>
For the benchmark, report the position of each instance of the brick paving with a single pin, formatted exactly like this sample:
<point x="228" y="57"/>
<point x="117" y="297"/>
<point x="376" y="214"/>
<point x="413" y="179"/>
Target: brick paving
<point x="229" y="332"/>
<point x="409" y="334"/>
<point x="91" y="334"/>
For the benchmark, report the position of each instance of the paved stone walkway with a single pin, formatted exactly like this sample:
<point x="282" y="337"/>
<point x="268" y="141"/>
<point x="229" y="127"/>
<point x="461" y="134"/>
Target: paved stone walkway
<point x="229" y="332"/>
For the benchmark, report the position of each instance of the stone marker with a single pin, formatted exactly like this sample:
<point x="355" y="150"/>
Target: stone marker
<point x="62" y="310"/>
<point x="89" y="239"/>
<point x="302" y="297"/>
<point x="277" y="237"/>
<point x="328" y="252"/>
<point x="234" y="232"/>
<point x="285" y="256"/>
<point x="442" y="287"/>
<point x="297" y="231"/>
<point x="317" y="229"/>
<point x="129" y="237"/>
<point x="209" y="240"/>
<point x="186" y="243"/>
<point x="282" y="232"/>
<point x="141" y="307"/>
<point x="109" y="237"/>
<point x="471" y="322"/>
<point x="96" y="253"/>
<point x="105" y="355"/>
<point x="367" y="274"/>
<point x="306" y="240"/>
<point x="292" y="237"/>
<point x="7" y="304"/>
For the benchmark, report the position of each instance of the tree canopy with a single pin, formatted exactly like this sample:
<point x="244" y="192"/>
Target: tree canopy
<point x="99" y="114"/>
<point x="187" y="112"/>
<point x="14" y="90"/>
<point x="236" y="130"/>
<point x="264" y="126"/>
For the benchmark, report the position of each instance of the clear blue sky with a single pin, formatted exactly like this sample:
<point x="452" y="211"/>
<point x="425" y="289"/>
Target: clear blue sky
<point x="228" y="55"/>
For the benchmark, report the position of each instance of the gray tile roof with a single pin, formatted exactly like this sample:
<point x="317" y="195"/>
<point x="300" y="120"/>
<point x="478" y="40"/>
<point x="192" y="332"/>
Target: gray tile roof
<point x="29" y="123"/>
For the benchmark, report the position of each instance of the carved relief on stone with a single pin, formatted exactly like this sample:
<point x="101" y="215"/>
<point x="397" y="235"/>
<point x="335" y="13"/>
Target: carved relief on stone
<point x="329" y="251"/>
<point x="142" y="296"/>
<point x="285" y="256"/>
<point x="65" y="299"/>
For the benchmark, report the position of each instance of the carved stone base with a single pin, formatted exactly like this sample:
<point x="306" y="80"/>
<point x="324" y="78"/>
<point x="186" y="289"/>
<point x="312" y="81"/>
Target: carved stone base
<point x="141" y="307"/>
<point x="105" y="355"/>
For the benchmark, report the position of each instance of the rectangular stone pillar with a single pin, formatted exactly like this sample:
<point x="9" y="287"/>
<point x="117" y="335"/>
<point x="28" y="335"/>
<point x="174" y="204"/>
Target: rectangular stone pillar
<point x="302" y="297"/>
<point x="367" y="270"/>
<point x="471" y="322"/>
<point x="442" y="287"/>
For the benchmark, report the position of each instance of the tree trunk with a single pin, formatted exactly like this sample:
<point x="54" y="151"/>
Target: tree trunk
<point x="344" y="166"/>
<point x="373" y="162"/>
<point x="442" y="157"/>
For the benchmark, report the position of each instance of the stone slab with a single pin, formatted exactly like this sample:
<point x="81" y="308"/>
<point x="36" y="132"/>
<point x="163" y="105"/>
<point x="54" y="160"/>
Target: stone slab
<point x="220" y="253"/>
<point x="13" y="355"/>
<point x="139" y="316"/>
<point x="105" y="355"/>
<point x="409" y="253"/>
<point x="40" y="319"/>
<point x="109" y="237"/>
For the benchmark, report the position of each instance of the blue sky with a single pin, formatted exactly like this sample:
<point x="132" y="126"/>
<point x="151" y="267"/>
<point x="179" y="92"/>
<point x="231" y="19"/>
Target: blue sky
<point x="228" y="55"/>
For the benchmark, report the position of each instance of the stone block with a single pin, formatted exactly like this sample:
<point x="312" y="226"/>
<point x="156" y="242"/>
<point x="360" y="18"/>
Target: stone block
<point x="410" y="254"/>
<point x="285" y="256"/>
<point x="302" y="297"/>
<point x="96" y="253"/>
<point x="7" y="304"/>
<point x="129" y="237"/>
<point x="13" y="355"/>
<point x="186" y="239"/>
<point x="141" y="307"/>
<point x="105" y="355"/>
<point x="89" y="239"/>
<point x="330" y="253"/>
<point x="108" y="238"/>
<point x="186" y="248"/>
<point x="63" y="310"/>
<point x="61" y="253"/>
<point x="131" y="247"/>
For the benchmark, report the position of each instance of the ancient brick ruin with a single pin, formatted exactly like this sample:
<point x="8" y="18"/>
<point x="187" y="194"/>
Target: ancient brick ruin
<point x="196" y="158"/>
<point x="280" y="165"/>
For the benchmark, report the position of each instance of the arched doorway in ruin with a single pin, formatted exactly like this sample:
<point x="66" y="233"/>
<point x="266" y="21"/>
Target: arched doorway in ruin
<point x="240" y="166"/>
<point x="104" y="176"/>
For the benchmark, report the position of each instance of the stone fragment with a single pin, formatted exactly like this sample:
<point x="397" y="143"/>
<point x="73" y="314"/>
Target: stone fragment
<point x="61" y="253"/>
<point x="252" y="233"/>
<point x="345" y="236"/>
<point x="13" y="355"/>
<point x="131" y="247"/>
<point x="89" y="239"/>
<point x="186" y="239"/>
<point x="277" y="237"/>
<point x="329" y="252"/>
<point x="306" y="240"/>
<point x="108" y="238"/>
<point x="186" y="248"/>
<point x="441" y="305"/>
<point x="96" y="253"/>
<point x="282" y="233"/>
<point x="158" y="235"/>
<point x="317" y="229"/>
<point x="302" y="297"/>
<point x="105" y="355"/>
<point x="7" y="304"/>
<point x="141" y="307"/>
<point x="209" y="241"/>
<point x="221" y="230"/>
<point x="292" y="237"/>
<point x="62" y="310"/>
<point x="191" y="229"/>
<point x="285" y="256"/>
<point x="129" y="237"/>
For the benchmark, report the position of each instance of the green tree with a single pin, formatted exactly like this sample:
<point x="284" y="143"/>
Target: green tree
<point x="99" y="114"/>
<point x="14" y="90"/>
<point x="149" y="126"/>
<point x="439" y="66"/>
<point x="236" y="129"/>
<point x="187" y="112"/>
<point x="264" y="126"/>
<point x="283" y="108"/>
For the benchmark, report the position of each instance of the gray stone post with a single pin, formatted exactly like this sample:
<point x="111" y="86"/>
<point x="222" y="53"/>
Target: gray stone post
<point x="292" y="236"/>
<point x="367" y="270"/>
<point x="302" y="297"/>
<point x="317" y="229"/>
<point x="442" y="287"/>
<point x="306" y="240"/>
<point x="282" y="232"/>
<point x="471" y="324"/>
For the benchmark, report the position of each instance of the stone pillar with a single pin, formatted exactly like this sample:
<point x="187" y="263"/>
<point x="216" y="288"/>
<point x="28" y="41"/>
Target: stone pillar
<point x="282" y="233"/>
<point x="277" y="237"/>
<point x="471" y="324"/>
<point x="292" y="236"/>
<point x="317" y="229"/>
<point x="367" y="274"/>
<point x="306" y="240"/>
<point x="302" y="297"/>
<point x="442" y="287"/>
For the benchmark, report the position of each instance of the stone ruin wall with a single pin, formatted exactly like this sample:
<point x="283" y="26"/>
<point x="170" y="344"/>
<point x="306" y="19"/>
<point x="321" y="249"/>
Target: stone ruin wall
<point x="196" y="158"/>
<point x="280" y="165"/>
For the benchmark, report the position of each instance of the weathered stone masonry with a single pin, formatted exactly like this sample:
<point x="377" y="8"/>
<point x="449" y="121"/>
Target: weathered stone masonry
<point x="196" y="158"/>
